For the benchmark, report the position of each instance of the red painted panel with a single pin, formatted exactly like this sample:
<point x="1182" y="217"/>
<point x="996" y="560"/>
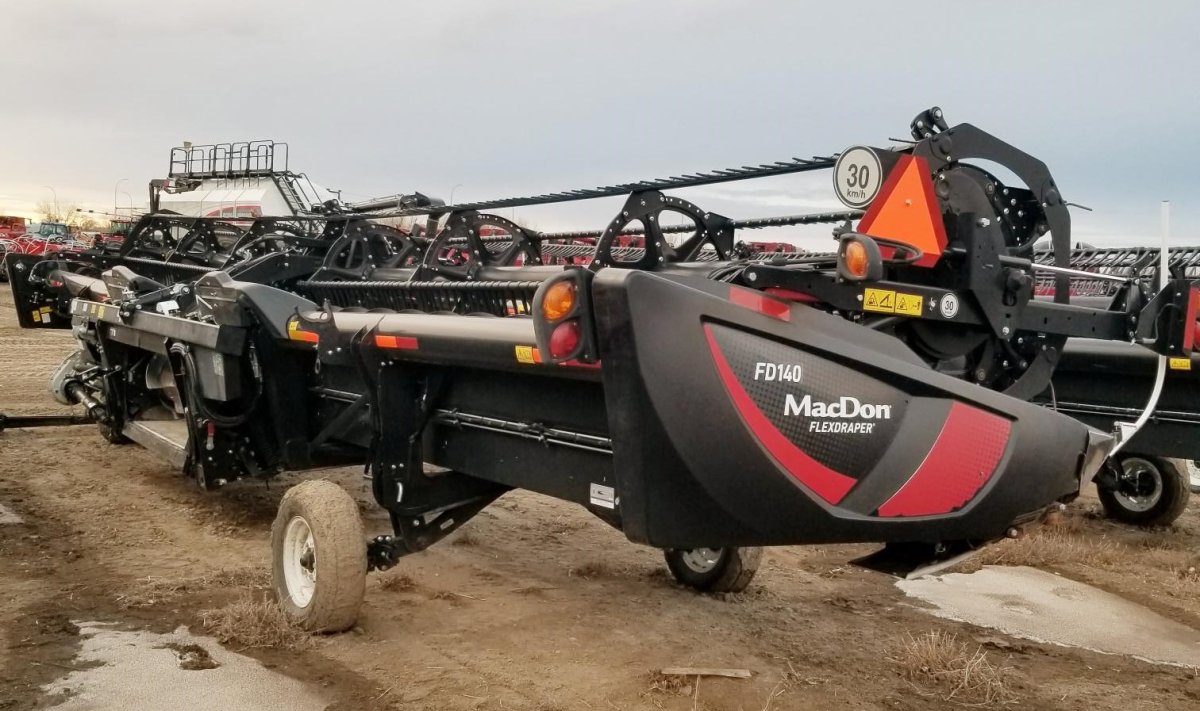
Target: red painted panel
<point x="963" y="458"/>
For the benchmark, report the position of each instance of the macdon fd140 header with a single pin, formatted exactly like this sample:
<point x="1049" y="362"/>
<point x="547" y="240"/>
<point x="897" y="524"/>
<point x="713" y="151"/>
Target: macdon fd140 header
<point x="700" y="399"/>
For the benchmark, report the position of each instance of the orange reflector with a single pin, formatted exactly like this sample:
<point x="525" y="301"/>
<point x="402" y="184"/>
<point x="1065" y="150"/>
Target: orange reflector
<point x="856" y="259"/>
<point x="405" y="343"/>
<point x="906" y="211"/>
<point x="754" y="300"/>
<point x="558" y="301"/>
<point x="295" y="334"/>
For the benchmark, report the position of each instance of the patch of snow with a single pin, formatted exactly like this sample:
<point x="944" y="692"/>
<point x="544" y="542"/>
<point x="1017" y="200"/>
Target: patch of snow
<point x="1043" y="607"/>
<point x="143" y="670"/>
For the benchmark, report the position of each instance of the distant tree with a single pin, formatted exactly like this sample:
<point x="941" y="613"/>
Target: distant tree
<point x="49" y="211"/>
<point x="87" y="223"/>
<point x="70" y="215"/>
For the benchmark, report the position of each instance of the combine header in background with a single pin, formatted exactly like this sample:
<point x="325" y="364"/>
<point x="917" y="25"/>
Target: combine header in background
<point x="37" y="239"/>
<point x="701" y="398"/>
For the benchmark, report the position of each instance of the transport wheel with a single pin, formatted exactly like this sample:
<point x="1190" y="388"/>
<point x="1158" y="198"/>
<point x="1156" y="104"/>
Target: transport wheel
<point x="1150" y="491"/>
<point x="111" y="434"/>
<point x="714" y="569"/>
<point x="1193" y="467"/>
<point x="319" y="557"/>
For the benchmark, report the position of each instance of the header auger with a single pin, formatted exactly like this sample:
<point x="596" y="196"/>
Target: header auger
<point x="699" y="396"/>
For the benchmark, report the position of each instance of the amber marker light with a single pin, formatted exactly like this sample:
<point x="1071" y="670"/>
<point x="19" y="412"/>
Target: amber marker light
<point x="856" y="259"/>
<point x="558" y="301"/>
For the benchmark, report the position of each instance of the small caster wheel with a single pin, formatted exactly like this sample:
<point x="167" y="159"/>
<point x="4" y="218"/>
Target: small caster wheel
<point x="714" y="569"/>
<point x="1149" y="491"/>
<point x="111" y="434"/>
<point x="319" y="557"/>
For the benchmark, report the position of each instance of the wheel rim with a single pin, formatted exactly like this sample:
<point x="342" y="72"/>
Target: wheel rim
<point x="1139" y="486"/>
<point x="299" y="562"/>
<point x="701" y="560"/>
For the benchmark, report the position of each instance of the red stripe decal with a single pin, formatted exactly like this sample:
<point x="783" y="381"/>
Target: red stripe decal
<point x="404" y="343"/>
<point x="961" y="461"/>
<point x="829" y="485"/>
<point x="755" y="301"/>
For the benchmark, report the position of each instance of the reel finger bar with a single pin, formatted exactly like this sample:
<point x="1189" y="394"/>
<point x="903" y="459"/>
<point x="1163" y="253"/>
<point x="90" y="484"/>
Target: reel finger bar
<point x="795" y="165"/>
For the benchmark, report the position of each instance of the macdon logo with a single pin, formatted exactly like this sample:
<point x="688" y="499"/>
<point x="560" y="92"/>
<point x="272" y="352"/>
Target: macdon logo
<point x="829" y="416"/>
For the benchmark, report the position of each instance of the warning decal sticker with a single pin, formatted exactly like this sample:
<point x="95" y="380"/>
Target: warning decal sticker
<point x="879" y="300"/>
<point x="908" y="304"/>
<point x="887" y="301"/>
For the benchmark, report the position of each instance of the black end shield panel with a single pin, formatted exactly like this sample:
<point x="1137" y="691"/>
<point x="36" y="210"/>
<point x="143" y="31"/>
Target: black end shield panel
<point x="740" y="419"/>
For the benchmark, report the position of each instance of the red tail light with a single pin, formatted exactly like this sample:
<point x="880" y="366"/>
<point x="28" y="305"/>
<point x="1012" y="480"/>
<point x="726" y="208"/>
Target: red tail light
<point x="564" y="339"/>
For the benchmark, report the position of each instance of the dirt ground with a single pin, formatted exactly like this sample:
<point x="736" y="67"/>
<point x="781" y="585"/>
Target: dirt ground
<point x="533" y="604"/>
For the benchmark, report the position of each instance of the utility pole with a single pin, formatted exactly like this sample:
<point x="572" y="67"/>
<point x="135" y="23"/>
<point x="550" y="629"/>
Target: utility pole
<point x="118" y="184"/>
<point x="55" y="194"/>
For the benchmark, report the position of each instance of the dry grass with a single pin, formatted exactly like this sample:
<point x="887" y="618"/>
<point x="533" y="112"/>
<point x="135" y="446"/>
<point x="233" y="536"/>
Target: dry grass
<point x="397" y="582"/>
<point x="1054" y="546"/>
<point x="670" y="683"/>
<point x="1084" y="540"/>
<point x="941" y="661"/>
<point x="1188" y="575"/>
<point x="661" y="685"/>
<point x="561" y="525"/>
<point x="1162" y="539"/>
<point x="594" y="569"/>
<point x="1183" y="580"/>
<point x="152" y="591"/>
<point x="464" y="538"/>
<point x="250" y="623"/>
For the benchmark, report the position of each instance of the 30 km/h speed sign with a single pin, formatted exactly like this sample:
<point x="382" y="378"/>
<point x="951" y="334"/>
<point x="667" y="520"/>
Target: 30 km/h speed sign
<point x="857" y="176"/>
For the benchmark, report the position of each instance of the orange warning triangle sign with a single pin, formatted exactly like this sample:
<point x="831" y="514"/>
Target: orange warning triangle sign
<point x="906" y="211"/>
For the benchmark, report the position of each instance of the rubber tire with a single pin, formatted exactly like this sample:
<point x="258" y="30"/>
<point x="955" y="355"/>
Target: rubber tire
<point x="1171" y="502"/>
<point x="732" y="573"/>
<point x="341" y="560"/>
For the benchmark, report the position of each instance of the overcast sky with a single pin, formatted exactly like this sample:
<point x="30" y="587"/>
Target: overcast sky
<point x="504" y="98"/>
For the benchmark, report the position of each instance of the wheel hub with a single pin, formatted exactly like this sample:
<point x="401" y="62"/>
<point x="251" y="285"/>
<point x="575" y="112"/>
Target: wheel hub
<point x="1139" y="486"/>
<point x="701" y="560"/>
<point x="299" y="562"/>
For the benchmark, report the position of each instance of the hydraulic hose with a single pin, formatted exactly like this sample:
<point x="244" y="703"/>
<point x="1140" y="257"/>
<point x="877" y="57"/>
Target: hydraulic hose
<point x="197" y="400"/>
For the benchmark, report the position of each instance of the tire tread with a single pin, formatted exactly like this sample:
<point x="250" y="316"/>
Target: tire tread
<point x="733" y="575"/>
<point x="337" y="529"/>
